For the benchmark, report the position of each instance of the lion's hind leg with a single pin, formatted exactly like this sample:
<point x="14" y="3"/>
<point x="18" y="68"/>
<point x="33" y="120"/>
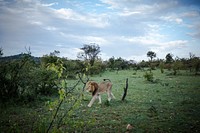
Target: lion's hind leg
<point x="109" y="96"/>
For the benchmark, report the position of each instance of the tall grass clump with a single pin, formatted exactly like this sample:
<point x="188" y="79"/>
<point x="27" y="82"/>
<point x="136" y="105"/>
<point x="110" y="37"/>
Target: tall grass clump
<point x="148" y="76"/>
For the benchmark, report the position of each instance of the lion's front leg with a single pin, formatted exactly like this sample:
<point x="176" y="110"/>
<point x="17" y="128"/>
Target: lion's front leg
<point x="99" y="96"/>
<point x="112" y="96"/>
<point x="92" y="100"/>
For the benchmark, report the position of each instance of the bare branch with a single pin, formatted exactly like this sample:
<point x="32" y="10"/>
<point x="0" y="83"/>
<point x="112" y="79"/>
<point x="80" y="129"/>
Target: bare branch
<point x="125" y="90"/>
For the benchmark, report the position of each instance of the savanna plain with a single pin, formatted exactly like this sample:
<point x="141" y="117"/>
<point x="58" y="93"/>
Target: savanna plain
<point x="170" y="103"/>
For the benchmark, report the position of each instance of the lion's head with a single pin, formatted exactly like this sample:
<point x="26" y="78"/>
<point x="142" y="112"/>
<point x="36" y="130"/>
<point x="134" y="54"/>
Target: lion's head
<point x="91" y="87"/>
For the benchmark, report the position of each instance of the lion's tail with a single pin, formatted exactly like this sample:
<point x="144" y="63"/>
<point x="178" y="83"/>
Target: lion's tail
<point x="106" y="79"/>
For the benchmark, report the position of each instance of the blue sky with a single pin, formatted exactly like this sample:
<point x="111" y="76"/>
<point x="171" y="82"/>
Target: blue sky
<point x="122" y="28"/>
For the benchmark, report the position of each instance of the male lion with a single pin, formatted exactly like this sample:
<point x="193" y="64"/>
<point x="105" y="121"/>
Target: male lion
<point x="97" y="89"/>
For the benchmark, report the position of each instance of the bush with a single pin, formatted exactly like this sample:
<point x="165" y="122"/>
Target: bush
<point x="161" y="65"/>
<point x="42" y="81"/>
<point x="22" y="79"/>
<point x="148" y="76"/>
<point x="97" y="68"/>
<point x="13" y="76"/>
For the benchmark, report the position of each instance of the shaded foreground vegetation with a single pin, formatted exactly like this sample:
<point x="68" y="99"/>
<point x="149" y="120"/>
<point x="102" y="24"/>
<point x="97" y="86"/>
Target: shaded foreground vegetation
<point x="167" y="103"/>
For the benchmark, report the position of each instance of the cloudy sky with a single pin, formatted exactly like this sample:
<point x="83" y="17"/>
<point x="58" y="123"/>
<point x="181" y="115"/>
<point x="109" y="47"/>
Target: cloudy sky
<point x="122" y="28"/>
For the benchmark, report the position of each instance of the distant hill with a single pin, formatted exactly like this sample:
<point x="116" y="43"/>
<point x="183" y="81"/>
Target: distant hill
<point x="19" y="56"/>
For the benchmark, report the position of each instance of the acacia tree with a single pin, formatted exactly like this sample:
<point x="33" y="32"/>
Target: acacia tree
<point x="90" y="52"/>
<point x="151" y="55"/>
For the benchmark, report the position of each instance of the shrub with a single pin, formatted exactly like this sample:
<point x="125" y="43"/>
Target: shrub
<point x="12" y="77"/>
<point x="148" y="76"/>
<point x="22" y="79"/>
<point x="161" y="65"/>
<point x="42" y="81"/>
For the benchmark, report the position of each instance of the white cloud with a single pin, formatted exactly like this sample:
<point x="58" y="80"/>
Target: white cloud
<point x="172" y="18"/>
<point x="36" y="23"/>
<point x="176" y="43"/>
<point x="190" y="14"/>
<point x="96" y="20"/>
<point x="137" y="58"/>
<point x="163" y="46"/>
<point x="101" y="41"/>
<point x="68" y="14"/>
<point x="195" y="34"/>
<point x="151" y="38"/>
<point x="50" y="4"/>
<point x="113" y="4"/>
<point x="59" y="45"/>
<point x="140" y="6"/>
<point x="70" y="53"/>
<point x="178" y="20"/>
<point x="129" y="13"/>
<point x="94" y="39"/>
<point x="50" y="28"/>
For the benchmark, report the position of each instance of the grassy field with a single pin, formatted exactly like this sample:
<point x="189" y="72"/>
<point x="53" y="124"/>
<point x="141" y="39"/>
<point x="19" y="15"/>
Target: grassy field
<point x="169" y="104"/>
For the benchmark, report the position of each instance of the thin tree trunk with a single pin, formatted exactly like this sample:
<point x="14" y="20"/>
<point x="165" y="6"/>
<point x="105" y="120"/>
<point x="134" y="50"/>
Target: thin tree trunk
<point x="125" y="90"/>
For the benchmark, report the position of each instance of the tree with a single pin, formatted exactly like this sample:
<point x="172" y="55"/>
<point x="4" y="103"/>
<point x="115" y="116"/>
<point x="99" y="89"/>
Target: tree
<point x="194" y="63"/>
<point x="118" y="63"/>
<point x="151" y="55"/>
<point x="169" y="61"/>
<point x="90" y="52"/>
<point x="55" y="53"/>
<point x="121" y="63"/>
<point x="190" y="65"/>
<point x="51" y="58"/>
<point x="169" y="58"/>
<point x="111" y="63"/>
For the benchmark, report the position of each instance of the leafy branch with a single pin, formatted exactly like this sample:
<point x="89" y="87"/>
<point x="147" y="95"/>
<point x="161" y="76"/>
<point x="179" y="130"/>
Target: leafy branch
<point x="63" y="95"/>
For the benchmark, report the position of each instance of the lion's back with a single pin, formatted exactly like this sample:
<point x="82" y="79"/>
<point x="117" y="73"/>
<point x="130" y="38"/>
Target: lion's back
<point x="104" y="86"/>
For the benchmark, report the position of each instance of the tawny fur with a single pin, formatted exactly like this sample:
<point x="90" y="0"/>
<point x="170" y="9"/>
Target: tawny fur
<point x="97" y="89"/>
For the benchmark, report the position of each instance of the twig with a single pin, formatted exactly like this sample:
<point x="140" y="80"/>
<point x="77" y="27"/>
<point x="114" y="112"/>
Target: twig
<point x="50" y="125"/>
<point x="61" y="119"/>
<point x="81" y="79"/>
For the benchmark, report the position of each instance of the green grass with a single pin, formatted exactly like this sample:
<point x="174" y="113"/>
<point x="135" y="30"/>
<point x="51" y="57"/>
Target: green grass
<point x="169" y="104"/>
